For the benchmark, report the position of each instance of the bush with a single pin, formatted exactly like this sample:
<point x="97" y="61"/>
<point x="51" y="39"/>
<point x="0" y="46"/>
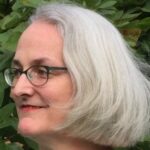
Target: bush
<point x="130" y="17"/>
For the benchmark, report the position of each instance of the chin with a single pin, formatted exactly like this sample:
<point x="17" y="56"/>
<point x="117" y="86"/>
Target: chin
<point x="28" y="127"/>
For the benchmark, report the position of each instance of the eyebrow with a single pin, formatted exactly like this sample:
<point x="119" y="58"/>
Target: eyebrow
<point x="37" y="61"/>
<point x="16" y="62"/>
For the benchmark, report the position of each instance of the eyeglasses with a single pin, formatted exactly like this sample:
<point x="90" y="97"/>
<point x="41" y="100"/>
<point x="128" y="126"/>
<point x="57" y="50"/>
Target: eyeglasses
<point x="37" y="75"/>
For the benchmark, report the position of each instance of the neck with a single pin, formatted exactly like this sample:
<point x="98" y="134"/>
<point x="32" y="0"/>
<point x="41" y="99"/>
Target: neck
<point x="56" y="142"/>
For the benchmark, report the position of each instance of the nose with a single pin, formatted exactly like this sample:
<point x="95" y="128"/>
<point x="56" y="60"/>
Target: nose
<point x="22" y="87"/>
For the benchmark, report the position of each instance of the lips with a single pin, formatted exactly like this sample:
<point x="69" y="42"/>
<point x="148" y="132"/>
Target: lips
<point x="27" y="108"/>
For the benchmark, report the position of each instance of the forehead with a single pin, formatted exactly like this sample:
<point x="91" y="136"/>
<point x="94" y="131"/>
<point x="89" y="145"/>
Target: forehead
<point x="40" y="39"/>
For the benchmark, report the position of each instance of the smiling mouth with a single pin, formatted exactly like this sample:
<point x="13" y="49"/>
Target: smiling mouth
<point x="28" y="108"/>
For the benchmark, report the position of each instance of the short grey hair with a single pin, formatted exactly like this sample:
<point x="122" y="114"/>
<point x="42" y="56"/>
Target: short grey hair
<point x="112" y="96"/>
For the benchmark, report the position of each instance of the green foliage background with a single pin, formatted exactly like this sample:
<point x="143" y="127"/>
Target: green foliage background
<point x="131" y="17"/>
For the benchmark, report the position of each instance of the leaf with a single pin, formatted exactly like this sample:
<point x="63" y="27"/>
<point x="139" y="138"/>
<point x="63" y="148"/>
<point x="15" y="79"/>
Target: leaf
<point x="11" y="42"/>
<point x="117" y="15"/>
<point x="2" y="87"/>
<point x="147" y="138"/>
<point x="5" y="57"/>
<point x="10" y="146"/>
<point x="108" y="4"/>
<point x="17" y="5"/>
<point x="10" y="20"/>
<point x="33" y="3"/>
<point x="5" y="112"/>
<point x="121" y="23"/>
<point x="31" y="143"/>
<point x="145" y="145"/>
<point x="9" y="39"/>
<point x="91" y="4"/>
<point x="108" y="12"/>
<point x="130" y="16"/>
<point x="8" y="122"/>
<point x="4" y="37"/>
<point x="146" y="47"/>
<point x="146" y="8"/>
<point x="13" y="146"/>
<point x="20" y="27"/>
<point x="142" y="24"/>
<point x="6" y="117"/>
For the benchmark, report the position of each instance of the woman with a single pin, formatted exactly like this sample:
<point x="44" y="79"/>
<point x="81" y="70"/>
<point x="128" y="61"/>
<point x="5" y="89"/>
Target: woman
<point x="75" y="83"/>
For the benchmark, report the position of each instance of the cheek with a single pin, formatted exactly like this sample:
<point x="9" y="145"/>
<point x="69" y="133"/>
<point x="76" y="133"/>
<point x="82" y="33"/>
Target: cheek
<point x="58" y="94"/>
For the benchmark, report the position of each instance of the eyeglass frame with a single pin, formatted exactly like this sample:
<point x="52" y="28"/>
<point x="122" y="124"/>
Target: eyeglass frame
<point x="49" y="70"/>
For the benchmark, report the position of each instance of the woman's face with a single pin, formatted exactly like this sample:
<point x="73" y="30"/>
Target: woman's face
<point x="41" y="109"/>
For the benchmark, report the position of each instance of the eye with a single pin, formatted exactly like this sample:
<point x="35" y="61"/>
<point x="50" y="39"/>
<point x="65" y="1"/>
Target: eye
<point x="14" y="73"/>
<point x="39" y="72"/>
